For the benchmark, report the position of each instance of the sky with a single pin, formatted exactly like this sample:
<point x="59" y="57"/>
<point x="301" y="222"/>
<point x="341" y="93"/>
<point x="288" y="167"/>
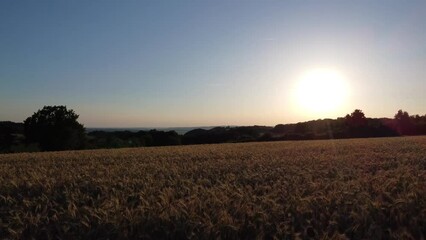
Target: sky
<point x="207" y="63"/>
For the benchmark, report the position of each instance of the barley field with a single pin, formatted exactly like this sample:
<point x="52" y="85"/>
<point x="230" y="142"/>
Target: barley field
<point x="331" y="189"/>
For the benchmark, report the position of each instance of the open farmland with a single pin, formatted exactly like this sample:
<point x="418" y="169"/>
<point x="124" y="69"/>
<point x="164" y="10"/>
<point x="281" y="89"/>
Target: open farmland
<point x="358" y="188"/>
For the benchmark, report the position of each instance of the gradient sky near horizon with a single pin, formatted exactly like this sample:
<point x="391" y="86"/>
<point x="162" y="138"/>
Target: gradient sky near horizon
<point x="205" y="63"/>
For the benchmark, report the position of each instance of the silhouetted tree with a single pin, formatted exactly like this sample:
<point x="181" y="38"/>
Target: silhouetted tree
<point x="356" y="119"/>
<point x="403" y="122"/>
<point x="55" y="128"/>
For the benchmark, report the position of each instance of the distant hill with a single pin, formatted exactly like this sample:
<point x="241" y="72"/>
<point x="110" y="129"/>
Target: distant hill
<point x="179" y="130"/>
<point x="225" y="134"/>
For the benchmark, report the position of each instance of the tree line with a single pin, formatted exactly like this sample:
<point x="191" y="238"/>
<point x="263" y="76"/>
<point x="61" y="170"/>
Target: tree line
<point x="57" y="128"/>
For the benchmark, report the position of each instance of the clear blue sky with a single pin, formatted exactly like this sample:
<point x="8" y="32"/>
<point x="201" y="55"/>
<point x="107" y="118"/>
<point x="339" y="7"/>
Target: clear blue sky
<point x="195" y="63"/>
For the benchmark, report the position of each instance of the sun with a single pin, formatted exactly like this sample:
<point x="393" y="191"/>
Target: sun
<point x="321" y="91"/>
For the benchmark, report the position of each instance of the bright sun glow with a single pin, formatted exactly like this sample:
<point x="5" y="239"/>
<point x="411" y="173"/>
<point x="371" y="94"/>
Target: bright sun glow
<point x="321" y="91"/>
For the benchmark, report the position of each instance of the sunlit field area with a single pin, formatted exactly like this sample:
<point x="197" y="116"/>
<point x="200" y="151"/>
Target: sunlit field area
<point x="339" y="189"/>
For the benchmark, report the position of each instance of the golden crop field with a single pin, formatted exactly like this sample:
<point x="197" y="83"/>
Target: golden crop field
<point x="338" y="189"/>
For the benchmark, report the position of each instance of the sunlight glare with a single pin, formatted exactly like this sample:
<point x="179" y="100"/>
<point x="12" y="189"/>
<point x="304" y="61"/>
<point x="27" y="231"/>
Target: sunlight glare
<point x="321" y="91"/>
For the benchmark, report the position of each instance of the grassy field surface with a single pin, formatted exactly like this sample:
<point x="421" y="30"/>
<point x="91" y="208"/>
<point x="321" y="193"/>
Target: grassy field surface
<point x="357" y="189"/>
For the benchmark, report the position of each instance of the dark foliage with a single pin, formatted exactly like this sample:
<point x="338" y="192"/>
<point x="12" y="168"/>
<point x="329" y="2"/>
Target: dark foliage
<point x="354" y="125"/>
<point x="8" y="134"/>
<point x="118" y="139"/>
<point x="55" y="128"/>
<point x="225" y="134"/>
<point x="11" y="127"/>
<point x="404" y="123"/>
<point x="356" y="119"/>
